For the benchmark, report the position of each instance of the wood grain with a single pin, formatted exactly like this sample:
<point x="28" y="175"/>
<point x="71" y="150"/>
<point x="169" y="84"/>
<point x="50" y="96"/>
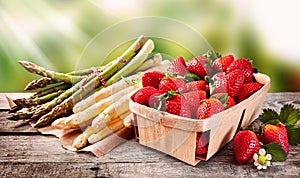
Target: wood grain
<point x="26" y="153"/>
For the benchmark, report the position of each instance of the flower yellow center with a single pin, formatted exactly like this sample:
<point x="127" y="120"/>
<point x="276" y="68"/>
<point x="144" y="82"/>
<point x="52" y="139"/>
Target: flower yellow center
<point x="262" y="159"/>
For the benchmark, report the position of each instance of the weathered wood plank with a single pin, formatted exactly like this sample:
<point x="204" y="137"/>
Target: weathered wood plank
<point x="31" y="148"/>
<point x="173" y="169"/>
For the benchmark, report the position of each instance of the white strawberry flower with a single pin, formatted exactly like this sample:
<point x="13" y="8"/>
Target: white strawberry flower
<point x="261" y="160"/>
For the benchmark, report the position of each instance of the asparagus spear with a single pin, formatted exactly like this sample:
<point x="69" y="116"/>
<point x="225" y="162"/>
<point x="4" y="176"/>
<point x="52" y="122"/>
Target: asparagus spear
<point x="56" y="76"/>
<point x="153" y="61"/>
<point x="82" y="140"/>
<point x="45" y="108"/>
<point x="79" y="92"/>
<point x="134" y="63"/>
<point x="77" y="120"/>
<point x="24" y="113"/>
<point x="85" y="71"/>
<point x="28" y="102"/>
<point x="40" y="83"/>
<point x="115" y="126"/>
<point x="62" y="86"/>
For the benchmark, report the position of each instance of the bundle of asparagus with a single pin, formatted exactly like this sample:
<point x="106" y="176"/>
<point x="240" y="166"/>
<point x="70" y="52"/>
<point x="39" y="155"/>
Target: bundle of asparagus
<point x="57" y="93"/>
<point x="105" y="111"/>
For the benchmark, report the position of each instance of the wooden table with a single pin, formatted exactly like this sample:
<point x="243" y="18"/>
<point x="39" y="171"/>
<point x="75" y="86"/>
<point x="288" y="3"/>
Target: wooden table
<point x="24" y="152"/>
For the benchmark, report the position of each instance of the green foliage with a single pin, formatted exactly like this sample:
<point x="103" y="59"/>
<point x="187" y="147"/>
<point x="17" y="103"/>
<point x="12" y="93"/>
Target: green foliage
<point x="276" y="151"/>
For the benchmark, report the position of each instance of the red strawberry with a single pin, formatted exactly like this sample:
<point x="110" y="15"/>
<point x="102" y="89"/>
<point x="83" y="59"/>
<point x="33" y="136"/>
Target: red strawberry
<point x="145" y="95"/>
<point x="247" y="90"/>
<point x="232" y="83"/>
<point x="245" y="145"/>
<point x="196" y="66"/>
<point x="194" y="98"/>
<point x="245" y="66"/>
<point x="209" y="107"/>
<point x="222" y="63"/>
<point x="224" y="98"/>
<point x="172" y="84"/>
<point x="197" y="85"/>
<point x="201" y="144"/>
<point x="176" y="104"/>
<point x="152" y="79"/>
<point x="178" y="67"/>
<point x="276" y="133"/>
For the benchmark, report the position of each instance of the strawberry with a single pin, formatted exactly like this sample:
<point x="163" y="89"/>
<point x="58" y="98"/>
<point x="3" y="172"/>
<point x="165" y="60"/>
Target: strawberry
<point x="224" y="98"/>
<point x="232" y="83"/>
<point x="194" y="98"/>
<point x="152" y="79"/>
<point x="276" y="133"/>
<point x="196" y="66"/>
<point x="281" y="128"/>
<point x="178" y="66"/>
<point x="209" y="107"/>
<point x="146" y="95"/>
<point x="247" y="90"/>
<point x="245" y="66"/>
<point x="201" y="144"/>
<point x="222" y="63"/>
<point x="175" y="103"/>
<point x="245" y="145"/>
<point x="197" y="85"/>
<point x="172" y="84"/>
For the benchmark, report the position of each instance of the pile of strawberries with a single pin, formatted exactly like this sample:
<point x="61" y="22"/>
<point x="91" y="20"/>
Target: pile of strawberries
<point x="199" y="88"/>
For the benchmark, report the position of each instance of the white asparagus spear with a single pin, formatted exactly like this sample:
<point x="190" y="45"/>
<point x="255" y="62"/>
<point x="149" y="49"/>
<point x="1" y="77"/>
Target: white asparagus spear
<point x="78" y="120"/>
<point x="153" y="61"/>
<point x="106" y="131"/>
<point x="112" y="111"/>
<point x="81" y="140"/>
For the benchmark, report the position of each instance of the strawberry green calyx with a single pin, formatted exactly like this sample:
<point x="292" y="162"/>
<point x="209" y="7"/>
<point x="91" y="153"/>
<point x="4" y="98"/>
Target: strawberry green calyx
<point x="163" y="97"/>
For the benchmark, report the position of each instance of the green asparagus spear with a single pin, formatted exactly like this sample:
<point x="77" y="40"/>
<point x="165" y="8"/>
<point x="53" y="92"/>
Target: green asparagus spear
<point x="28" y="102"/>
<point x="62" y="86"/>
<point x="56" y="76"/>
<point x="24" y="113"/>
<point x="134" y="63"/>
<point x="40" y="83"/>
<point x="66" y="106"/>
<point x="45" y="108"/>
<point x="85" y="71"/>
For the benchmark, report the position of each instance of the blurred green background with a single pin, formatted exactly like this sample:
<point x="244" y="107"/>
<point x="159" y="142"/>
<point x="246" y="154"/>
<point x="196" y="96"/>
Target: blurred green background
<point x="54" y="33"/>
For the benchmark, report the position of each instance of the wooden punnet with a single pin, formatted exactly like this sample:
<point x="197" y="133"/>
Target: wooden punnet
<point x="176" y="136"/>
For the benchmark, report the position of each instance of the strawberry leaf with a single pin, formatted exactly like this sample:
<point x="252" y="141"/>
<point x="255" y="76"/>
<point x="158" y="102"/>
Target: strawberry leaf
<point x="273" y="122"/>
<point x="268" y="115"/>
<point x="293" y="134"/>
<point x="289" y="115"/>
<point x="276" y="151"/>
